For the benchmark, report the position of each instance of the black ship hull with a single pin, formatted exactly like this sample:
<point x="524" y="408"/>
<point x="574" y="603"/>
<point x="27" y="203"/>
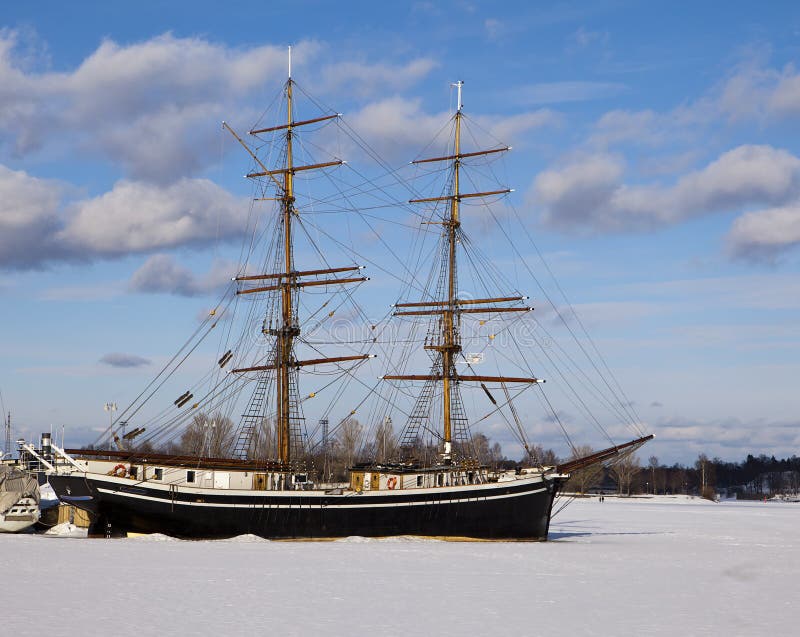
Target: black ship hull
<point x="514" y="510"/>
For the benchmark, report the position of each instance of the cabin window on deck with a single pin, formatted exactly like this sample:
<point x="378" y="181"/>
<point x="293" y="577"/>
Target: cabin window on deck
<point x="158" y="474"/>
<point x="190" y="476"/>
<point x="419" y="481"/>
<point x="471" y="477"/>
<point x="439" y="479"/>
<point x="132" y="472"/>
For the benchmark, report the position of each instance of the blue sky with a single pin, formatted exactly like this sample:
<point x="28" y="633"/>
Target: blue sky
<point x="656" y="160"/>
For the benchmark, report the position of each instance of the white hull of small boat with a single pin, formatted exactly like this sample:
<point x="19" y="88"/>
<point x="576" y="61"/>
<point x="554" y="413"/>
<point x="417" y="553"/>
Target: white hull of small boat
<point x="25" y="513"/>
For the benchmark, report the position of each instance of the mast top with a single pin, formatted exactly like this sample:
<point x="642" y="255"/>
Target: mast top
<point x="458" y="86"/>
<point x="290" y="61"/>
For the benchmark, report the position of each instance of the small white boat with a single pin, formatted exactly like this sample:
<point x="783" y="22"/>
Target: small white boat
<point x="20" y="516"/>
<point x="19" y="500"/>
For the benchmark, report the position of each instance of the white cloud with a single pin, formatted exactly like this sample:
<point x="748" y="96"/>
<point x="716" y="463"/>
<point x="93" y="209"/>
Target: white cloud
<point x="160" y="146"/>
<point x="161" y="274"/>
<point x="398" y="128"/>
<point x="150" y="105"/>
<point x="588" y="194"/>
<point x="620" y="126"/>
<point x="140" y="217"/>
<point x="728" y="438"/>
<point x="38" y="227"/>
<point x="756" y="91"/>
<point x="363" y="79"/>
<point x="494" y="28"/>
<point x="124" y="361"/>
<point x="765" y="234"/>
<point x="583" y="38"/>
<point x="395" y="124"/>
<point x="574" y="195"/>
<point x="28" y="217"/>
<point x="511" y="128"/>
<point x="154" y="107"/>
<point x="125" y="81"/>
<point x="785" y="99"/>
<point x="752" y="92"/>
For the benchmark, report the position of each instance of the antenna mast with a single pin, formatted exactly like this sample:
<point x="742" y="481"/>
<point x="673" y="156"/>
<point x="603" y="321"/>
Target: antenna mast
<point x="8" y="433"/>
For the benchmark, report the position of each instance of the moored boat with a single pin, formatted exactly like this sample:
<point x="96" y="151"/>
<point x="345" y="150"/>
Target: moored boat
<point x="19" y="500"/>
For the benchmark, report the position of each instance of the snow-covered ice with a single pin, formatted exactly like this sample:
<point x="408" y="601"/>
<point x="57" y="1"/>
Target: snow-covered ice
<point x="66" y="529"/>
<point x="660" y="566"/>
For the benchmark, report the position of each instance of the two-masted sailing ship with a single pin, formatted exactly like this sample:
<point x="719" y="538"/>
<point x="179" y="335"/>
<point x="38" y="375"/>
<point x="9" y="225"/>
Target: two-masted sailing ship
<point x="432" y="484"/>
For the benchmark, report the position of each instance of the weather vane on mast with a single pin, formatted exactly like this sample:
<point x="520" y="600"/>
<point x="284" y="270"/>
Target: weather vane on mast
<point x="458" y="85"/>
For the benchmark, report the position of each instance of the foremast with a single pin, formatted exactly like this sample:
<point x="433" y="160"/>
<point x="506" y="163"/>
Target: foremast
<point x="450" y="308"/>
<point x="451" y="341"/>
<point x="288" y="281"/>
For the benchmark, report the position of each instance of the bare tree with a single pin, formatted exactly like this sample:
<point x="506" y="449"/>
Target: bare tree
<point x="584" y="479"/>
<point x="624" y="470"/>
<point x="678" y="480"/>
<point x="348" y="439"/>
<point x="345" y="447"/>
<point x="542" y="456"/>
<point x="384" y="445"/>
<point x="427" y="451"/>
<point x="210" y="436"/>
<point x="653" y="464"/>
<point x="486" y="452"/>
<point x="263" y="444"/>
<point x="706" y="471"/>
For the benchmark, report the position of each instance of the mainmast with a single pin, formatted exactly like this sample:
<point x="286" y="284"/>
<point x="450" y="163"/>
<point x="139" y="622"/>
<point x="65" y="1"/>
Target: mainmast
<point x="450" y="308"/>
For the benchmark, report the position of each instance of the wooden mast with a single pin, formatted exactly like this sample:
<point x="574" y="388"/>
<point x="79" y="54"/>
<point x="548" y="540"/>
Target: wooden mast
<point x="450" y="307"/>
<point x="288" y="331"/>
<point x="451" y="341"/>
<point x="287" y="280"/>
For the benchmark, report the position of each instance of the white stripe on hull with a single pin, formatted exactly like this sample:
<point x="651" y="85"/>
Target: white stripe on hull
<point x="199" y="491"/>
<point x="256" y="505"/>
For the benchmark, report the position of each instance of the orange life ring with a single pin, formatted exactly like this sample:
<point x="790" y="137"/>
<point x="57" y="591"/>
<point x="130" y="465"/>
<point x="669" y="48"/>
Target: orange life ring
<point x="391" y="482"/>
<point x="116" y="471"/>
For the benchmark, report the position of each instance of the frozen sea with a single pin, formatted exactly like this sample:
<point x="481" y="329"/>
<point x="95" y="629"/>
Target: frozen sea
<point x="654" y="566"/>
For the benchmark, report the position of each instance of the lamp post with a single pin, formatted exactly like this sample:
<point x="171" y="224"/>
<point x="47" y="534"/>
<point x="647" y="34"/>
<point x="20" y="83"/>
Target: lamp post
<point x="210" y="426"/>
<point x="110" y="408"/>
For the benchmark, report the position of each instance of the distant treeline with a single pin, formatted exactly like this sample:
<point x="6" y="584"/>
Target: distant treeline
<point x="755" y="475"/>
